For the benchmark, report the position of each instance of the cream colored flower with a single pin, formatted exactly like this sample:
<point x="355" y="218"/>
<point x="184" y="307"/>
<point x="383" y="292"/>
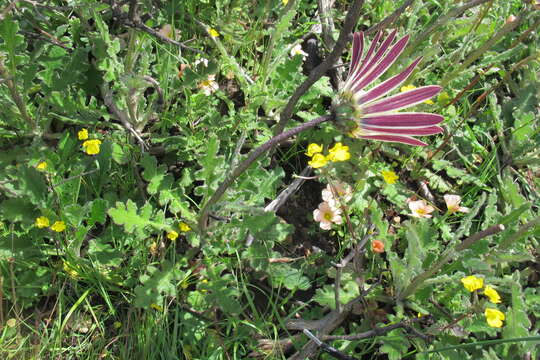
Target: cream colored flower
<point x="297" y="50"/>
<point x="327" y="215"/>
<point x="420" y="209"/>
<point x="168" y="31"/>
<point x="209" y="85"/>
<point x="201" y="61"/>
<point x="339" y="188"/>
<point x="452" y="204"/>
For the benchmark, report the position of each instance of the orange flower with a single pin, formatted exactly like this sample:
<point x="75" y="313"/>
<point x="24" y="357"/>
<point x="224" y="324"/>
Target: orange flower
<point x="377" y="246"/>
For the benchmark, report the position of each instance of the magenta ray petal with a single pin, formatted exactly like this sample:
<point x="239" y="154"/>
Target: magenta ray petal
<point x="384" y="64"/>
<point x="369" y="53"/>
<point x="403" y="100"/>
<point x="392" y="138"/>
<point x="403" y="119"/>
<point x="428" y="130"/>
<point x="358" y="48"/>
<point x="378" y="56"/>
<point x="388" y="85"/>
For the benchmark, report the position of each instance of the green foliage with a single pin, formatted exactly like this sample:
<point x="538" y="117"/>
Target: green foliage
<point x="141" y="222"/>
<point x="134" y="276"/>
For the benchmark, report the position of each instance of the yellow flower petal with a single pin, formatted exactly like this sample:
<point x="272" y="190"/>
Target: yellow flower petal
<point x="407" y="88"/>
<point x="42" y="222"/>
<point x="472" y="283"/>
<point x="213" y="32"/>
<point x="389" y="177"/>
<point x="339" y="153"/>
<point x="172" y="235"/>
<point x="184" y="227"/>
<point x="492" y="294"/>
<point x="42" y="166"/>
<point x="91" y="147"/>
<point x="494" y="317"/>
<point x="314" y="149"/>
<point x="318" y="161"/>
<point x="83" y="134"/>
<point x="58" y="226"/>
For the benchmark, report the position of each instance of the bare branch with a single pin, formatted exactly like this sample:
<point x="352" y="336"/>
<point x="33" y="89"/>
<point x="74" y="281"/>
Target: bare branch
<point x="109" y="102"/>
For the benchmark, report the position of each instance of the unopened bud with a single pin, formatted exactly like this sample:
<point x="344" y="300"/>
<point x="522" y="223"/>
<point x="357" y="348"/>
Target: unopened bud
<point x="510" y="19"/>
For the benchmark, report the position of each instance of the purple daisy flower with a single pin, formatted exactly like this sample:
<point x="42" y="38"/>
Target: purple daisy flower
<point x="374" y="116"/>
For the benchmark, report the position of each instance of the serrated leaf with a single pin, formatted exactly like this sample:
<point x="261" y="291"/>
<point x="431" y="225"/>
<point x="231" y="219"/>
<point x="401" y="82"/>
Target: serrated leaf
<point x="156" y="284"/>
<point x="104" y="254"/>
<point x="74" y="214"/>
<point x="153" y="173"/>
<point x="11" y="40"/>
<point x="135" y="221"/>
<point x="288" y="276"/>
<point x="98" y="212"/>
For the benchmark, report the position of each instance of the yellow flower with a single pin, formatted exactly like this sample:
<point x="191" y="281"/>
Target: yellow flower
<point x="172" y="235"/>
<point x="339" y="153"/>
<point x="313" y="149"/>
<point x="91" y="146"/>
<point x="285" y="2"/>
<point x="213" y="32"/>
<point x="156" y="307"/>
<point x="389" y="177"/>
<point x="472" y="283"/>
<point x="494" y="317"/>
<point x="492" y="294"/>
<point x="42" y="166"/>
<point x="83" y="134"/>
<point x="407" y="88"/>
<point x="42" y="222"/>
<point x="429" y="102"/>
<point x="58" y="226"/>
<point x="184" y="227"/>
<point x="70" y="270"/>
<point x="318" y="161"/>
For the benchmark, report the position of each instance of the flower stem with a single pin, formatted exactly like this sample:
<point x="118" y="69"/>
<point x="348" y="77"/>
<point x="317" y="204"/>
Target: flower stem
<point x="254" y="155"/>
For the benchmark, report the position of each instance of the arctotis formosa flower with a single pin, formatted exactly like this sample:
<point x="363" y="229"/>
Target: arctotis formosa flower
<point x="365" y="111"/>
